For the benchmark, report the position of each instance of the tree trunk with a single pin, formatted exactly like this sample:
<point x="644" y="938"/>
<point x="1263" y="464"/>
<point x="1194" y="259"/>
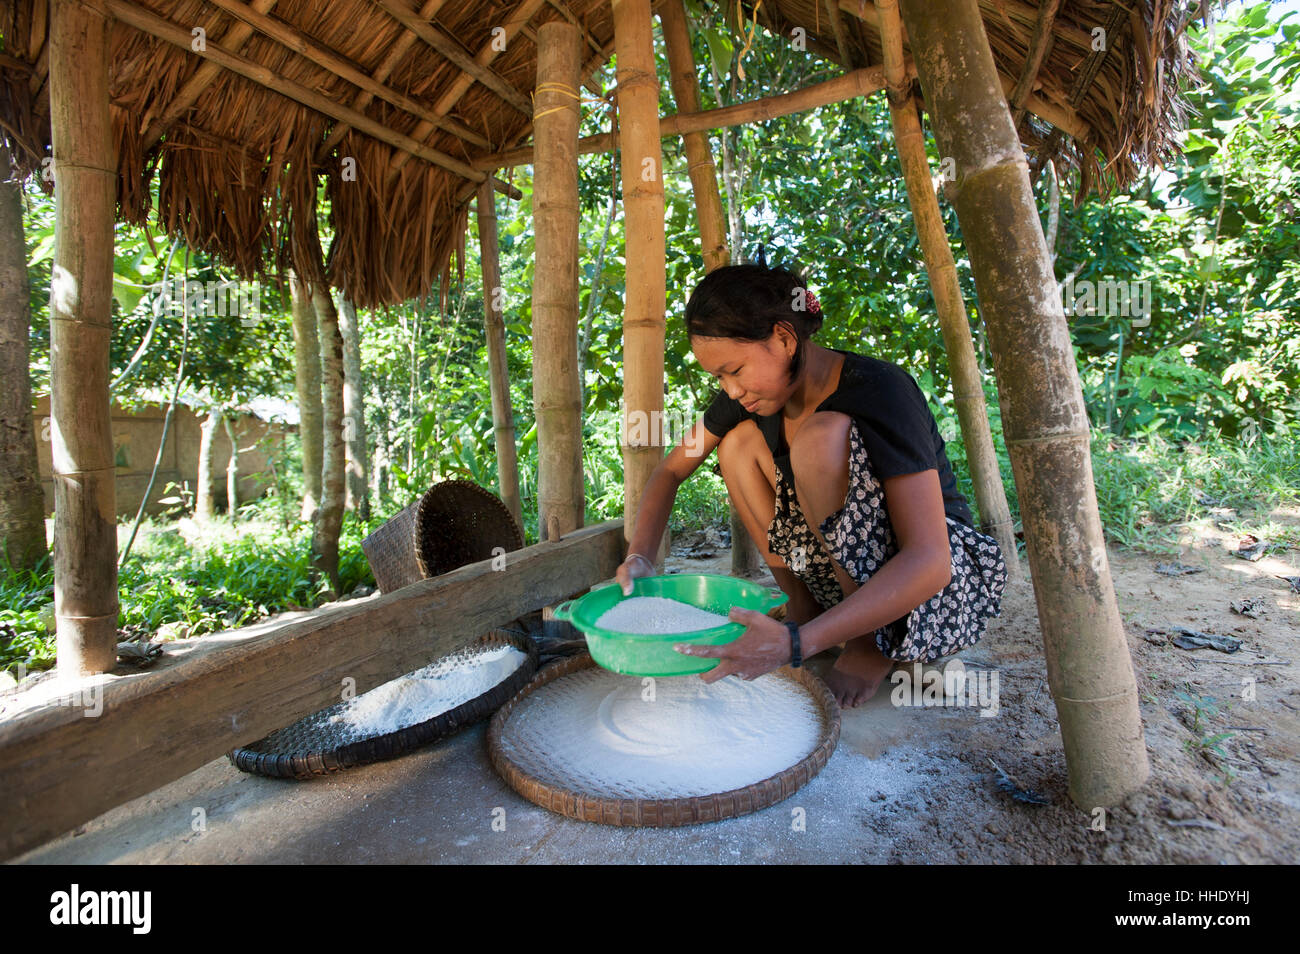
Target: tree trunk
<point x="967" y="382"/>
<point x="708" y="212"/>
<point x="354" y="411"/>
<point x="329" y="518"/>
<point x="503" y="415"/>
<point x="307" y="378"/>
<point x="204" y="507"/>
<point x="22" y="501"/>
<point x="85" y="177"/>
<point x="232" y="469"/>
<point x="557" y="395"/>
<point x="1043" y="414"/>
<point x="644" y="323"/>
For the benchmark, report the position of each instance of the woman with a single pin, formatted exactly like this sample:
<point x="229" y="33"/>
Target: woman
<point x="836" y="467"/>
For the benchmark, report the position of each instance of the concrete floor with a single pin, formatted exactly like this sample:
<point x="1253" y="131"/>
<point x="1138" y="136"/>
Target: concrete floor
<point x="438" y="805"/>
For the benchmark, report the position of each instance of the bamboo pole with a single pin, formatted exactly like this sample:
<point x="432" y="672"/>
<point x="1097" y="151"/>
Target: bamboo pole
<point x="850" y="85"/>
<point x="967" y="382"/>
<point x="1043" y="414"/>
<point x="641" y="161"/>
<point x="557" y="394"/>
<point x="503" y="415"/>
<point x="85" y="177"/>
<point x="708" y="209"/>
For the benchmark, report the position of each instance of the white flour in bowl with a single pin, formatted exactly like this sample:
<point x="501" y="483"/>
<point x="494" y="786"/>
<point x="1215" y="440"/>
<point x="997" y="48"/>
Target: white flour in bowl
<point x="657" y="614"/>
<point x="419" y="696"/>
<point x="625" y="737"/>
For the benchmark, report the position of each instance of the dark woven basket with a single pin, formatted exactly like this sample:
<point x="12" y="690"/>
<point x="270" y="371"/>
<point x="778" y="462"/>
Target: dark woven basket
<point x="306" y="749"/>
<point x="456" y="522"/>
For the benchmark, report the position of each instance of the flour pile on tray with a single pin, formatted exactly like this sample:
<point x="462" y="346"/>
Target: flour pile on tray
<point x="656" y="614"/>
<point x="419" y="696"/>
<point x="625" y="737"/>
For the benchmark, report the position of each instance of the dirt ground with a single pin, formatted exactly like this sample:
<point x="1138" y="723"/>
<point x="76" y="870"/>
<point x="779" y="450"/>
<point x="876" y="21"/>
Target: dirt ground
<point x="1225" y="777"/>
<point x="905" y="784"/>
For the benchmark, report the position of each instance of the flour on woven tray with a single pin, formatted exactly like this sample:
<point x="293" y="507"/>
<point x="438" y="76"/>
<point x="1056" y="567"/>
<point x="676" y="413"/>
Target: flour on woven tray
<point x="657" y="614"/>
<point x="419" y="696"/>
<point x="624" y="737"/>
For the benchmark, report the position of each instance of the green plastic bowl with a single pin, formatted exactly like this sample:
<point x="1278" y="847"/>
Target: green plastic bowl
<point x="652" y="654"/>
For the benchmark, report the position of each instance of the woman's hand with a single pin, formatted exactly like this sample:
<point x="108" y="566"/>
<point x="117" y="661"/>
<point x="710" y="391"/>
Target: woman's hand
<point x="635" y="565"/>
<point x="761" y="648"/>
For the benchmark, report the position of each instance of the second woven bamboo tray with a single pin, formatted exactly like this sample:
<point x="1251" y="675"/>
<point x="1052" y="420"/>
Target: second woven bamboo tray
<point x="664" y="812"/>
<point x="309" y="747"/>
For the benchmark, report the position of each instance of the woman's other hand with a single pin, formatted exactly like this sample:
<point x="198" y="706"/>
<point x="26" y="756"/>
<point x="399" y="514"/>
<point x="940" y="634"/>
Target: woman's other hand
<point x="635" y="565"/>
<point x="761" y="648"/>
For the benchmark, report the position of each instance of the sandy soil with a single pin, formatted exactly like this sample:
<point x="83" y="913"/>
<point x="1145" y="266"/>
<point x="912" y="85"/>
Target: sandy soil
<point x="1209" y="800"/>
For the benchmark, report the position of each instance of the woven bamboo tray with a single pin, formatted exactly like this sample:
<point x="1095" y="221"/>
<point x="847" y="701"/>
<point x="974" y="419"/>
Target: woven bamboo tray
<point x="663" y="812"/>
<point x="304" y="749"/>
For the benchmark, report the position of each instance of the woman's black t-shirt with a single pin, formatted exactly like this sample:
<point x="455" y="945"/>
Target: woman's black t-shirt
<point x="896" y="425"/>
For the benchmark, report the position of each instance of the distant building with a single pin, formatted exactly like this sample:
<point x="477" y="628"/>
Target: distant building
<point x="260" y="427"/>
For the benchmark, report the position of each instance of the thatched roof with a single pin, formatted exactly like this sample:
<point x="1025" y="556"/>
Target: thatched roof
<point x="414" y="91"/>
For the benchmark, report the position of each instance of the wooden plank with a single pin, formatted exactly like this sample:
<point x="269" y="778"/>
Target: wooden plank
<point x="59" y="768"/>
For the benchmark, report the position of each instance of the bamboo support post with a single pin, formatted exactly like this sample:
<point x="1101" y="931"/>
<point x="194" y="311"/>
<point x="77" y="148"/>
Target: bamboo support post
<point x="307" y="384"/>
<point x="850" y="85"/>
<point x="503" y="416"/>
<point x="85" y="175"/>
<point x="708" y="207"/>
<point x="557" y="394"/>
<point x="1043" y="414"/>
<point x="643" y="205"/>
<point x="967" y="382"/>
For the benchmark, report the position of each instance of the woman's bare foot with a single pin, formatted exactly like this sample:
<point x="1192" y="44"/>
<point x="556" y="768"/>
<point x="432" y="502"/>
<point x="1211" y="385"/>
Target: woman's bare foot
<point x="859" y="672"/>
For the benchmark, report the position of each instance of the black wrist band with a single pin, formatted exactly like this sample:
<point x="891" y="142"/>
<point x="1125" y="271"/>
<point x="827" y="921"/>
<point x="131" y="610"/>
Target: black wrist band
<point x="796" y="653"/>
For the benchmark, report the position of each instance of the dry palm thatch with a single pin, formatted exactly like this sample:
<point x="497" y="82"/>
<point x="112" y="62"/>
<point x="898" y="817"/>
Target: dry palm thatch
<point x="393" y="101"/>
<point x="1104" y="78"/>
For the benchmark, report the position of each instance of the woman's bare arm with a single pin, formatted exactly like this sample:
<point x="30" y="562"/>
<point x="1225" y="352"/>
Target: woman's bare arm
<point x="661" y="489"/>
<point x="921" y="568"/>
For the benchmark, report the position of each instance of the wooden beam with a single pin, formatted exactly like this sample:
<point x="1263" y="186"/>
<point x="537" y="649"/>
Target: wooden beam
<point x="398" y="49"/>
<point x="1062" y="117"/>
<point x="519" y="18"/>
<point x="851" y="85"/>
<point x="203" y="77"/>
<point x="1039" y="46"/>
<point x="169" y="32"/>
<point x="841" y="38"/>
<point x="59" y="768"/>
<point x="330" y="61"/>
<point x="430" y="34"/>
<point x="563" y="9"/>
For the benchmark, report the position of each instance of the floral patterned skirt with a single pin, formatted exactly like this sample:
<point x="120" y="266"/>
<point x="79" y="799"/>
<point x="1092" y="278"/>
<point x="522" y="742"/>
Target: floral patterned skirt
<point x="861" y="539"/>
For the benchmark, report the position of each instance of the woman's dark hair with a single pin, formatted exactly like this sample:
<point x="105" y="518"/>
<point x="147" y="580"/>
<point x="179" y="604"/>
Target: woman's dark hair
<point x="748" y="301"/>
